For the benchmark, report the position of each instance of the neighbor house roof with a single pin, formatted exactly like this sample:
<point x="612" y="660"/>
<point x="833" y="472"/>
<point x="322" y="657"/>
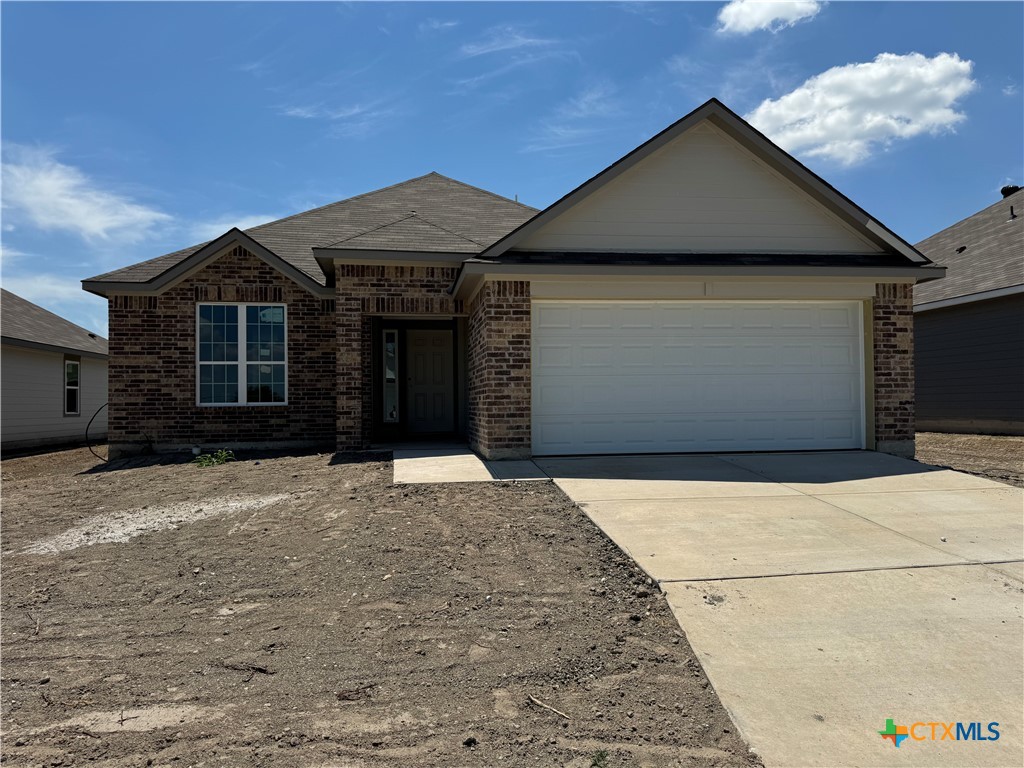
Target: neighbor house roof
<point x="983" y="254"/>
<point x="28" y="324"/>
<point x="431" y="212"/>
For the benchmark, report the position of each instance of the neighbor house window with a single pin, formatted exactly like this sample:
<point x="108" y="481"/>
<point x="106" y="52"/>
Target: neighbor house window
<point x="242" y="354"/>
<point x="72" y="387"/>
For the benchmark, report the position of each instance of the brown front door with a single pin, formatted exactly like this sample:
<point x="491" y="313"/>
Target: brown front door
<point x="430" y="381"/>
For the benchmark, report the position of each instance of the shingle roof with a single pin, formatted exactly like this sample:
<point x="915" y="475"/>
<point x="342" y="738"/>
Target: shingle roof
<point x="449" y="216"/>
<point x="24" y="321"/>
<point x="992" y="255"/>
<point x="410" y="232"/>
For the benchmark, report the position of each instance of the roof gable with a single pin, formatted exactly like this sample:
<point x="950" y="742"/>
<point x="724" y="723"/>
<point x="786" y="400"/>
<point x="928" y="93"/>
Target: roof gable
<point x="708" y="183"/>
<point x="198" y="259"/>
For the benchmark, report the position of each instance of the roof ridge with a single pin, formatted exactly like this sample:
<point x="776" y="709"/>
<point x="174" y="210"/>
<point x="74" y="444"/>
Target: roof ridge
<point x="339" y="202"/>
<point x="481" y="189"/>
<point x="449" y="231"/>
<point x="374" y="228"/>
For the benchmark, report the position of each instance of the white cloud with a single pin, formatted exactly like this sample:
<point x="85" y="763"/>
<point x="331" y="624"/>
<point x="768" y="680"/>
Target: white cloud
<point x="351" y="121"/>
<point x="576" y="121"/>
<point x="1010" y="90"/>
<point x="436" y="25"/>
<point x="64" y="296"/>
<point x="741" y="17"/>
<point x="208" y="230"/>
<point x="504" y="38"/>
<point x="53" y="196"/>
<point x="304" y="113"/>
<point x="9" y="255"/>
<point x="846" y="113"/>
<point x="516" y="62"/>
<point x="596" y="101"/>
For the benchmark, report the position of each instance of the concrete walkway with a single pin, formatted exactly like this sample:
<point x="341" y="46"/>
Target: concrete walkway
<point x="826" y="593"/>
<point x="449" y="463"/>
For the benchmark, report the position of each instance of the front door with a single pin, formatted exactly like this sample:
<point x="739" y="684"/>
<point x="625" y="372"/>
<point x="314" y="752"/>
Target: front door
<point x="430" y="391"/>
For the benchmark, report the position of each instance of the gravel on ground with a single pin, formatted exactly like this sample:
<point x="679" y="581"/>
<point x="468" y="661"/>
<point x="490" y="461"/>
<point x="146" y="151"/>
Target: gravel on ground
<point x="994" y="457"/>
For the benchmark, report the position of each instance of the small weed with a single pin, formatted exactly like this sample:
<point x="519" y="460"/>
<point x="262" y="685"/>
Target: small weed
<point x="599" y="759"/>
<point x="214" y="459"/>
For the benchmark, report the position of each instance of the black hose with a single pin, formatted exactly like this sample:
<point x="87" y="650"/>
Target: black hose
<point x="87" y="443"/>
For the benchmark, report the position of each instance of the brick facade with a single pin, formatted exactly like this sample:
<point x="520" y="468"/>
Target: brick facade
<point x="499" y="370"/>
<point x="893" y="335"/>
<point x="152" y="365"/>
<point x="361" y="292"/>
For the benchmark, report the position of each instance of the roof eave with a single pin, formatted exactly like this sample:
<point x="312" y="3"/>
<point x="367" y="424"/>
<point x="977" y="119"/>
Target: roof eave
<point x="328" y="257"/>
<point x="969" y="298"/>
<point x="473" y="273"/>
<point x="56" y="348"/>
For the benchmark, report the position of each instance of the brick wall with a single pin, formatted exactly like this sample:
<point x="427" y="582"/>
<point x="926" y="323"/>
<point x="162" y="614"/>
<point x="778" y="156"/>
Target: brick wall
<point x="893" y="333"/>
<point x="362" y="291"/>
<point x="499" y="370"/>
<point x="152" y="367"/>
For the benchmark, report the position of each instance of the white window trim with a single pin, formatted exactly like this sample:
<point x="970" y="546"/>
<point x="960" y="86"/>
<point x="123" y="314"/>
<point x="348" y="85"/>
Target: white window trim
<point x="78" y="388"/>
<point x="241" y="362"/>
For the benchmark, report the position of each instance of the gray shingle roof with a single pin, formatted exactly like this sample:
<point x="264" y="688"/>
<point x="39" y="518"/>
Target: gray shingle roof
<point x="410" y="232"/>
<point x="22" y="320"/>
<point x="993" y="255"/>
<point x="449" y="216"/>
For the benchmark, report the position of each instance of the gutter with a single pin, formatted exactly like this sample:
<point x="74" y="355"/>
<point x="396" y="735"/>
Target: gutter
<point x="969" y="298"/>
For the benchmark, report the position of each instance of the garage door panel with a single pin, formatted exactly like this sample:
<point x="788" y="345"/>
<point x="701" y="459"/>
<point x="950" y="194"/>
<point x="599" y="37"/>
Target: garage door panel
<point x="708" y="432"/>
<point x="710" y="355"/>
<point x="682" y="394"/>
<point x="696" y="376"/>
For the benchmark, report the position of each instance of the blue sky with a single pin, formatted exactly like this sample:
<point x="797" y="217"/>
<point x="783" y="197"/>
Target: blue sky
<point x="133" y="129"/>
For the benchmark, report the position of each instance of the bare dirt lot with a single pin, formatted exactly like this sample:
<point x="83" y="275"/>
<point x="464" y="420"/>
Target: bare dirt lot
<point x="998" y="458"/>
<point x="303" y="611"/>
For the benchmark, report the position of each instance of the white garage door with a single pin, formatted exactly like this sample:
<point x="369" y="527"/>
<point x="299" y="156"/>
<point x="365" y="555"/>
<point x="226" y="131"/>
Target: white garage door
<point x="666" y="377"/>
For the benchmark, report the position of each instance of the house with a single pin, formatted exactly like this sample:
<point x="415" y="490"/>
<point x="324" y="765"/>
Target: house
<point x="706" y="292"/>
<point x="969" y="328"/>
<point x="54" y="378"/>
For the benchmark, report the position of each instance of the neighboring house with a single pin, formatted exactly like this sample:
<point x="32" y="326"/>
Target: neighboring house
<point x="969" y="328"/>
<point x="54" y="377"/>
<point x="704" y="293"/>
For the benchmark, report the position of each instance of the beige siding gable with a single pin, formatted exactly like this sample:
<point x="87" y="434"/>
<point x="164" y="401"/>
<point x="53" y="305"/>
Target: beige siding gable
<point x="701" y="192"/>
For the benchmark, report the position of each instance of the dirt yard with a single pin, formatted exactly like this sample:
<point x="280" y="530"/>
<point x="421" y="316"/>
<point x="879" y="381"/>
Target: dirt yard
<point x="302" y="611"/>
<point x="998" y="458"/>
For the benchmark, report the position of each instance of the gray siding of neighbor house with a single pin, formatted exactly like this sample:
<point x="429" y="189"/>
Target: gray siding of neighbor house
<point x="970" y="367"/>
<point x="32" y="408"/>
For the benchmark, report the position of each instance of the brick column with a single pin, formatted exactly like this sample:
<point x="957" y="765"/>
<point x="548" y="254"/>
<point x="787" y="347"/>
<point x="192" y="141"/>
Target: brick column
<point x="349" y="372"/>
<point x="893" y="334"/>
<point x="499" y="370"/>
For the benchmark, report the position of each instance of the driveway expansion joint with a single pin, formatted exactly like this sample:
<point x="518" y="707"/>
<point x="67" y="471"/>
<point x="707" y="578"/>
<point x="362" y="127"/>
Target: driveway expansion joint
<point x="845" y="570"/>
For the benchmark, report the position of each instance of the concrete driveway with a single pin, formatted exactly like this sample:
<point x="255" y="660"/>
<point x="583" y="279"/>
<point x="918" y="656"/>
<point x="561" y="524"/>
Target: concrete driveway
<point x="827" y="593"/>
